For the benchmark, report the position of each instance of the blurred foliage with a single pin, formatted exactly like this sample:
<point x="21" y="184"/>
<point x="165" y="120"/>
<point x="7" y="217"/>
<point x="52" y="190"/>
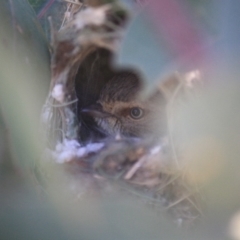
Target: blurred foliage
<point x="37" y="4"/>
<point x="47" y="8"/>
<point x="24" y="49"/>
<point x="156" y="49"/>
<point x="24" y="68"/>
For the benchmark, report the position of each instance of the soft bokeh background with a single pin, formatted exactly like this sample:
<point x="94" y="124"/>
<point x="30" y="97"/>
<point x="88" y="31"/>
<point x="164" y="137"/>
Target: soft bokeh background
<point x="207" y="129"/>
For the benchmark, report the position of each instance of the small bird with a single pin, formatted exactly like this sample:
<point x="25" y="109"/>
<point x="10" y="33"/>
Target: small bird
<point x="121" y="110"/>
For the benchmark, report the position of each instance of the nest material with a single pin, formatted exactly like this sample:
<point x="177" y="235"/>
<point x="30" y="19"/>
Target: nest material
<point x="142" y="169"/>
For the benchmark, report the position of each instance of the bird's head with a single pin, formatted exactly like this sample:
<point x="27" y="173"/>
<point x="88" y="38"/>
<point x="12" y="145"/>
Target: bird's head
<point x="120" y="108"/>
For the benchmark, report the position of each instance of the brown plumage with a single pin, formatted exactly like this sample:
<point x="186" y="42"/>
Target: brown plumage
<point x="120" y="109"/>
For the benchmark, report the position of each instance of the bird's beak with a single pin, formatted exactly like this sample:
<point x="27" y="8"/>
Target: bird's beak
<point x="96" y="110"/>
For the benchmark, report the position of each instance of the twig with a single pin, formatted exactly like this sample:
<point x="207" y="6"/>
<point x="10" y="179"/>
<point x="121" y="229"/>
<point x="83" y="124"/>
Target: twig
<point x="63" y="104"/>
<point x="139" y="194"/>
<point x="135" y="167"/>
<point x="170" y="125"/>
<point x="64" y="19"/>
<point x="77" y="3"/>
<point x="44" y="10"/>
<point x="194" y="205"/>
<point x="52" y="32"/>
<point x="178" y="201"/>
<point x="168" y="183"/>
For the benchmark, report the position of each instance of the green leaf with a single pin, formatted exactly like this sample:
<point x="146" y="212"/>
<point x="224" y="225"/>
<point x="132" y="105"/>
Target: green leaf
<point x="37" y="4"/>
<point x="24" y="75"/>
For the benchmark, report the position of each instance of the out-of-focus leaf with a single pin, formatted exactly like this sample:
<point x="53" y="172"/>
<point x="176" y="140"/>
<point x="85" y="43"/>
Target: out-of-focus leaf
<point x="37" y="4"/>
<point x="56" y="11"/>
<point x="24" y="75"/>
<point x="19" y="23"/>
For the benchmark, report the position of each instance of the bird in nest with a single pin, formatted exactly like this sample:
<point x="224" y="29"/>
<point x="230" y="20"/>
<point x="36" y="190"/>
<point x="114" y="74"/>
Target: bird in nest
<point x="122" y="110"/>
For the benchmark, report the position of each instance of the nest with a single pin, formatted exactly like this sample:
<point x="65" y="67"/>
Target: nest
<point x="82" y="63"/>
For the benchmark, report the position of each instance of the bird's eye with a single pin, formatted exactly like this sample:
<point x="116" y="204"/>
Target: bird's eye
<point x="136" y="112"/>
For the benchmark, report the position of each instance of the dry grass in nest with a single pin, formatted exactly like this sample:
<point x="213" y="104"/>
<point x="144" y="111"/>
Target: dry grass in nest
<point x="150" y="172"/>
